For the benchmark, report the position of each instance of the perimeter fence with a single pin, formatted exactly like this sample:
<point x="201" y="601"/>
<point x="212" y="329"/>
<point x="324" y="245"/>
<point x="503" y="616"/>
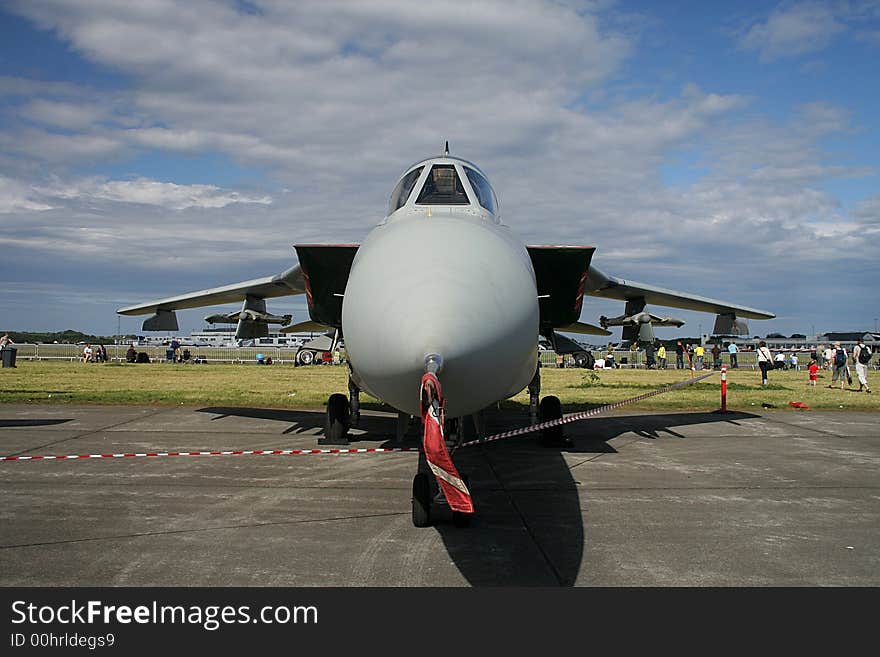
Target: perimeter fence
<point x="158" y="354"/>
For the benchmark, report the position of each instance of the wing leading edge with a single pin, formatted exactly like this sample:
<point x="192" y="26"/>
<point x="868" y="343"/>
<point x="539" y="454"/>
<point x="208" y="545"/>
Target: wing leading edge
<point x="322" y="275"/>
<point x="599" y="284"/>
<point x="286" y="283"/>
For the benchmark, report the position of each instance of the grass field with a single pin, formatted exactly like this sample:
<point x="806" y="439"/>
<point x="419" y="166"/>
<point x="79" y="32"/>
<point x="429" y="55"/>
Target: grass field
<point x="308" y="387"/>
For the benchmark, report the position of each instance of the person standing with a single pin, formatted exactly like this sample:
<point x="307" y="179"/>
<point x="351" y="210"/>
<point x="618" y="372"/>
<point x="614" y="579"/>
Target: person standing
<point x="679" y="355"/>
<point x="862" y="356"/>
<point x="827" y="355"/>
<point x="732" y="349"/>
<point x="814" y="373"/>
<point x="175" y="347"/>
<point x="779" y="360"/>
<point x="838" y="362"/>
<point x="649" y="356"/>
<point x="700" y="353"/>
<point x="716" y="356"/>
<point x="765" y="361"/>
<point x="661" y="356"/>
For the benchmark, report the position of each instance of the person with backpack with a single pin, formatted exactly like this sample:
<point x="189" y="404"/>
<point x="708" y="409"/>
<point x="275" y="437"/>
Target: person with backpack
<point x="765" y="361"/>
<point x="838" y="363"/>
<point x="862" y="356"/>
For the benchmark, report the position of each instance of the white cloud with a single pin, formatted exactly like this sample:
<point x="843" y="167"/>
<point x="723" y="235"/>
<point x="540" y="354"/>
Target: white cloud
<point x="793" y="30"/>
<point x="17" y="196"/>
<point x="868" y="211"/>
<point x="151" y="192"/>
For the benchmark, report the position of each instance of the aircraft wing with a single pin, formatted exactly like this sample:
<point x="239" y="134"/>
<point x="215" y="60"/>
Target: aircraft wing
<point x="322" y="275"/>
<point x="599" y="284"/>
<point x="283" y="284"/>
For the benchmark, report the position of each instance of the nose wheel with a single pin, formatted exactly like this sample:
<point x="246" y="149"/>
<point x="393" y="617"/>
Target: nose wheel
<point x="426" y="494"/>
<point x="421" y="500"/>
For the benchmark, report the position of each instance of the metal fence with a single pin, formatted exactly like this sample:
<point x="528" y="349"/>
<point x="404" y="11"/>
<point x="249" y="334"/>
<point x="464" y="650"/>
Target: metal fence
<point x="625" y="358"/>
<point x="159" y="353"/>
<point x="286" y="355"/>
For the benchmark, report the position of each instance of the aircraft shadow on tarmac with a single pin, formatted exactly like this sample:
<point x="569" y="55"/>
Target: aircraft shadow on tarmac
<point x="529" y="525"/>
<point x="528" y="529"/>
<point x="32" y="422"/>
<point x="373" y="426"/>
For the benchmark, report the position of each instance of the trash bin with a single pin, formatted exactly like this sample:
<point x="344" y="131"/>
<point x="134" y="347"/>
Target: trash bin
<point x="8" y="355"/>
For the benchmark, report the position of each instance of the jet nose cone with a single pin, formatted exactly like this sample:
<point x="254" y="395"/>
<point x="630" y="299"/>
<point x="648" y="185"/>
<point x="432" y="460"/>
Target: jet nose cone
<point x="460" y="289"/>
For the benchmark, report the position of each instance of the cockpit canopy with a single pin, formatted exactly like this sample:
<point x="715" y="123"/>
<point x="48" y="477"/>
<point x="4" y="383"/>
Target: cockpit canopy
<point x="444" y="181"/>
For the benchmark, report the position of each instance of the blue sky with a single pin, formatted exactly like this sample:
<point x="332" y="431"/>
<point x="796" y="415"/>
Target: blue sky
<point x="153" y="148"/>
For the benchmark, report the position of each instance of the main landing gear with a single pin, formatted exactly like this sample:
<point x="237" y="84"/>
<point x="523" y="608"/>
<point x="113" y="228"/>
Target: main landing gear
<point x="343" y="413"/>
<point x="549" y="408"/>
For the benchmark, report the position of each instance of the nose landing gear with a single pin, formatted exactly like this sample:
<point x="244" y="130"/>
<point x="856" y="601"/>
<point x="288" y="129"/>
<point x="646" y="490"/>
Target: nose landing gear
<point x="447" y="485"/>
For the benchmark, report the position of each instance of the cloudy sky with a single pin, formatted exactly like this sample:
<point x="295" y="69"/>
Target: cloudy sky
<point x="158" y="147"/>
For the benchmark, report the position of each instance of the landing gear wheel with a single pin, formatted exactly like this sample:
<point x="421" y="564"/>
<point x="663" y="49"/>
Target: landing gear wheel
<point x="421" y="500"/>
<point x="551" y="409"/>
<point x="305" y="357"/>
<point x="584" y="359"/>
<point x="460" y="519"/>
<point x="336" y="422"/>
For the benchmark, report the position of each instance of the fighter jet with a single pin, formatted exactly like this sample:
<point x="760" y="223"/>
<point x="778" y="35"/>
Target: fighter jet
<point x="441" y="308"/>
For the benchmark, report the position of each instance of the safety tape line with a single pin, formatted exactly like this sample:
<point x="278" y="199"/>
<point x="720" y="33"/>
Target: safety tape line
<point x="236" y="452"/>
<point x="574" y="417"/>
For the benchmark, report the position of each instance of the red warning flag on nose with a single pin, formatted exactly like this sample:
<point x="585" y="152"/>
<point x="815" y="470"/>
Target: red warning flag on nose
<point x="457" y="494"/>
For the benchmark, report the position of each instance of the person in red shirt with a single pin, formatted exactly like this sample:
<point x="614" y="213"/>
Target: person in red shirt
<point x="814" y="372"/>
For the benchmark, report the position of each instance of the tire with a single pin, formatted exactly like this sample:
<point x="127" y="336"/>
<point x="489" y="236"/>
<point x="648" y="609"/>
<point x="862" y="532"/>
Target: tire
<point x="584" y="359"/>
<point x="337" y="420"/>
<point x="462" y="520"/>
<point x="305" y="357"/>
<point x="550" y="408"/>
<point x="421" y="500"/>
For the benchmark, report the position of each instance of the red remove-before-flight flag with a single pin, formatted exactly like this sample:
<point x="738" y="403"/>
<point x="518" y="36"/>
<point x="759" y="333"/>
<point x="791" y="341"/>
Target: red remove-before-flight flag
<point x="457" y="494"/>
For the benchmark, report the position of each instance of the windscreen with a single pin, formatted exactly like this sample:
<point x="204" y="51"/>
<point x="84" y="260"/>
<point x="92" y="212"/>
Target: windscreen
<point x="482" y="189"/>
<point x="443" y="187"/>
<point x="403" y="189"/>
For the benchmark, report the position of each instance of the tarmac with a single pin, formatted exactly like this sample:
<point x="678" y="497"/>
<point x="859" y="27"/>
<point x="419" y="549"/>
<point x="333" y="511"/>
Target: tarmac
<point x="784" y="498"/>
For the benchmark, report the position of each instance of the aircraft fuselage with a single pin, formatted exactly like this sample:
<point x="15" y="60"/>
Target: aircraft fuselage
<point x="445" y="281"/>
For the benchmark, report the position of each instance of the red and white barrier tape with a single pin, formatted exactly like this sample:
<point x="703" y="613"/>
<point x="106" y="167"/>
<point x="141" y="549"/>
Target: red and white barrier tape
<point x="573" y="417"/>
<point x="236" y="452"/>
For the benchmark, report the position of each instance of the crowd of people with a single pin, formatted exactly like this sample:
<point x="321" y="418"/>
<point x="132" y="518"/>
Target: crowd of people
<point x="98" y="354"/>
<point x="833" y="358"/>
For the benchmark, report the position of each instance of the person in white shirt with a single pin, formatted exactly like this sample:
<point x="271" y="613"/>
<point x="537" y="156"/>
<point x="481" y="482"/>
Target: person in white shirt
<point x="765" y="361"/>
<point x="862" y="356"/>
<point x="780" y="361"/>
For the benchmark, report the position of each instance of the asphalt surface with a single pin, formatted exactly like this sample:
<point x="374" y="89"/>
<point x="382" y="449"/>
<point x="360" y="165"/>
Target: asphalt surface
<point x="641" y="499"/>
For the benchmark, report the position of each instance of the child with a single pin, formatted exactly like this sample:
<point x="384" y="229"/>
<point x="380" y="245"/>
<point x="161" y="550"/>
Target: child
<point x="814" y="372"/>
